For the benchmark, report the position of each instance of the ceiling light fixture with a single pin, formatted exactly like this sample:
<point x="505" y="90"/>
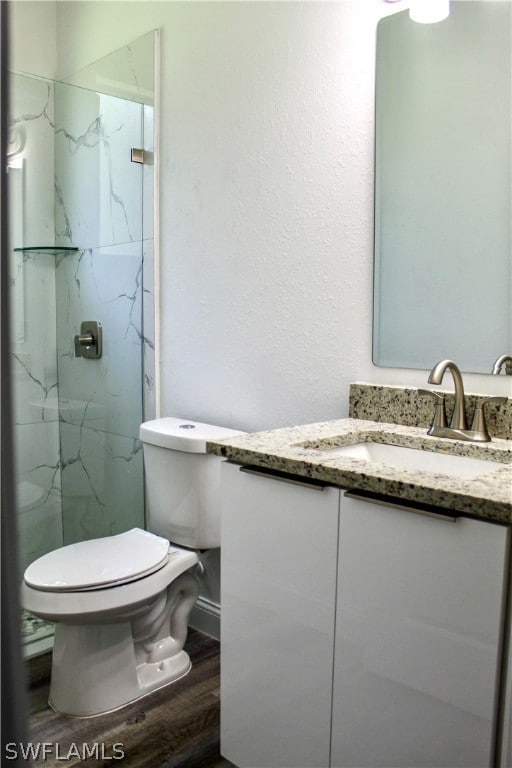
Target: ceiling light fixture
<point x="429" y="11"/>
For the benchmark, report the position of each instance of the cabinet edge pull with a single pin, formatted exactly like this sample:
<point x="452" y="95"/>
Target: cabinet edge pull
<point x="394" y="504"/>
<point x="274" y="474"/>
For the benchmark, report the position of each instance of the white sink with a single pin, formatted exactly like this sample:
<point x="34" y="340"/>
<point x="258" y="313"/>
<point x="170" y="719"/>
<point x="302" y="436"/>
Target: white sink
<point x="415" y="458"/>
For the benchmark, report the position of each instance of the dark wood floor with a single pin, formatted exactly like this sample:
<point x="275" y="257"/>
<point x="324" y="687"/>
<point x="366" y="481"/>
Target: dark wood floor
<point x="175" y="727"/>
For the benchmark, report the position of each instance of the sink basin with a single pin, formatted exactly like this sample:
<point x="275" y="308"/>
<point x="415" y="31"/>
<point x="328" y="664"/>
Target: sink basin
<point x="415" y="458"/>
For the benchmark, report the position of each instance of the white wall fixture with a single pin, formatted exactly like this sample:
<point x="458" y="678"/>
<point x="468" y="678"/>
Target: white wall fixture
<point x="429" y="11"/>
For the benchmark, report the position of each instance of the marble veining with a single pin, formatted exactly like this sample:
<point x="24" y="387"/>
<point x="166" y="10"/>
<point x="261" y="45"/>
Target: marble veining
<point x="41" y="111"/>
<point x="294" y="450"/>
<point x="97" y="189"/>
<point x="79" y="461"/>
<point x="32" y="293"/>
<point x="101" y="483"/>
<point x="148" y="332"/>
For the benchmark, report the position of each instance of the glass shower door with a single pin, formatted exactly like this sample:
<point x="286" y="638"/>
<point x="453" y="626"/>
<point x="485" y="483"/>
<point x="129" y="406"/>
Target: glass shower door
<point x="33" y="339"/>
<point x="77" y="254"/>
<point x="99" y="207"/>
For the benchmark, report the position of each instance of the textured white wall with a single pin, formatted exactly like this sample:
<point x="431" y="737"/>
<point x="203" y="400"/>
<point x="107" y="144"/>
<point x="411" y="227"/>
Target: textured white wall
<point x="266" y="199"/>
<point x="268" y="174"/>
<point x="266" y="232"/>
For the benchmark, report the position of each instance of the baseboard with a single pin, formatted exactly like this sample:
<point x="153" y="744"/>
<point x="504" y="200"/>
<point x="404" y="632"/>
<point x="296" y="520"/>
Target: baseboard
<point x="205" y="617"/>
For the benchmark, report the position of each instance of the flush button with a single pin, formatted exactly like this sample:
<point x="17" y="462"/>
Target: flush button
<point x="187" y="426"/>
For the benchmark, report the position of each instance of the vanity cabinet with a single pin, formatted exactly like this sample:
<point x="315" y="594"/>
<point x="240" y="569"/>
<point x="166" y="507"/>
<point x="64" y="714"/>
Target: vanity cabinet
<point x="354" y="633"/>
<point x="278" y="591"/>
<point x="506" y="745"/>
<point x="418" y="622"/>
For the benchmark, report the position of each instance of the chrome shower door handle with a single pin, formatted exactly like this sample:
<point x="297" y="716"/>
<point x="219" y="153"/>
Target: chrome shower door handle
<point x="89" y="342"/>
<point x="81" y="341"/>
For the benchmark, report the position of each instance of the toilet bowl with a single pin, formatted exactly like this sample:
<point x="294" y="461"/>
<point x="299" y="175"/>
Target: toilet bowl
<point x="118" y="632"/>
<point x="121" y="603"/>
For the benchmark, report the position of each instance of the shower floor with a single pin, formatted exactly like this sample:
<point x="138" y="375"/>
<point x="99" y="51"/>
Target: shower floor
<point x="34" y="629"/>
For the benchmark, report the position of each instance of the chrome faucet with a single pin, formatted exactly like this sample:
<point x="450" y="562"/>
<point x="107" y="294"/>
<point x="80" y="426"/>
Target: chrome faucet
<point x="436" y="376"/>
<point x="458" y="429"/>
<point x="503" y="360"/>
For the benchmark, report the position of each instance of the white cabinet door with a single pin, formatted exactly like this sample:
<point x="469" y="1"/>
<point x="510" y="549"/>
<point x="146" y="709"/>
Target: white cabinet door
<point x="278" y="586"/>
<point x="417" y="634"/>
<point x="506" y="744"/>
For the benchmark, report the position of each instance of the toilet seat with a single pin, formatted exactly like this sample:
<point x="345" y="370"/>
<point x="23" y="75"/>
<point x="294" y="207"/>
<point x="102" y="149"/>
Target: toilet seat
<point x="99" y="563"/>
<point x="92" y="606"/>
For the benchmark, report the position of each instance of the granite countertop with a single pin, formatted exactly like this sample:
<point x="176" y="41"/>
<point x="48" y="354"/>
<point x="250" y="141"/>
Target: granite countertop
<point x="304" y="451"/>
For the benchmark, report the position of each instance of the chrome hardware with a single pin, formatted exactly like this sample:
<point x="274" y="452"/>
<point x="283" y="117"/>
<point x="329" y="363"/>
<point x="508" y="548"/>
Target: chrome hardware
<point x="505" y="360"/>
<point x="405" y="506"/>
<point x="440" y="409"/>
<point x="479" y="427"/>
<point x="83" y="340"/>
<point x="137" y="155"/>
<point x="436" y="377"/>
<point x="274" y="474"/>
<point x="89" y="342"/>
<point x="458" y="429"/>
<point x="141" y="156"/>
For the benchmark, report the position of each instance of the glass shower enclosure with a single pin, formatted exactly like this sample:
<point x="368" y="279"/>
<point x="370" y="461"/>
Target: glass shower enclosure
<point x="81" y="250"/>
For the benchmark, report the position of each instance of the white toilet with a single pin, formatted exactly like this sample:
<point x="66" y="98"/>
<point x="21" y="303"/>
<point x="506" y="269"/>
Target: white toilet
<point x="121" y="604"/>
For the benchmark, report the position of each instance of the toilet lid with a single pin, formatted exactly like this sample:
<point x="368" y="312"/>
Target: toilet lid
<point x="99" y="563"/>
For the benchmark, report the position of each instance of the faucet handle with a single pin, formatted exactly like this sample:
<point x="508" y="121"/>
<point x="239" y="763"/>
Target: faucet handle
<point x="479" y="424"/>
<point x="440" y="409"/>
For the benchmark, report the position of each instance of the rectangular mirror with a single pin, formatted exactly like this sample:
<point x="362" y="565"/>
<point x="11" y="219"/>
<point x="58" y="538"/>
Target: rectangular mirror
<point x="443" y="272"/>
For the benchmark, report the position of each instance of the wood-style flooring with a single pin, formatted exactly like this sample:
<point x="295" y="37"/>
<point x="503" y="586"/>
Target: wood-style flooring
<point x="175" y="727"/>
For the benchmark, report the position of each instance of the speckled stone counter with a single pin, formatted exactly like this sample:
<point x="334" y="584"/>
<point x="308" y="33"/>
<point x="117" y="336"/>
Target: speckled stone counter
<point x="304" y="451"/>
<point x="412" y="408"/>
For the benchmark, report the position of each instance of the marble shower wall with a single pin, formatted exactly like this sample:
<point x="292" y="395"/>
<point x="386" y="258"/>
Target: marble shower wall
<point x="78" y="458"/>
<point x="34" y="350"/>
<point x="99" y="209"/>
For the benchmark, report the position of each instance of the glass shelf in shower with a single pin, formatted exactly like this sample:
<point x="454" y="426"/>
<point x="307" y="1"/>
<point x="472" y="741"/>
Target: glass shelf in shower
<point x="52" y="249"/>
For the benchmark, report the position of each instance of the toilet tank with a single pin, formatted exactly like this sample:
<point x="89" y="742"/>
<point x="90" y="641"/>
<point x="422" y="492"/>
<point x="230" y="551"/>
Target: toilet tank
<point x="183" y="481"/>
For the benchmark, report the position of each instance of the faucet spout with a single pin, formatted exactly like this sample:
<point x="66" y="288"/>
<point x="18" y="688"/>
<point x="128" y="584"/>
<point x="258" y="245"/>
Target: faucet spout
<point x="503" y="360"/>
<point x="436" y="376"/>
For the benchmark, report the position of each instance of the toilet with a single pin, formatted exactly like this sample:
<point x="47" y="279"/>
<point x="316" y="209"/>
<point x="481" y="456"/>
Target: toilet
<point x="121" y="604"/>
